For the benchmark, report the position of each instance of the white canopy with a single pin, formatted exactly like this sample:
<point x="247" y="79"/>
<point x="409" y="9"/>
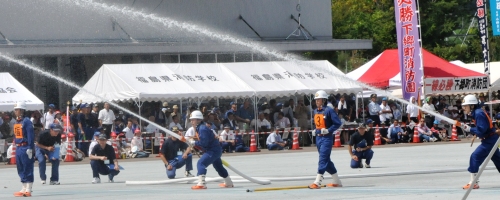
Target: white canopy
<point x="11" y="92"/>
<point x="153" y="82"/>
<point x="479" y="67"/>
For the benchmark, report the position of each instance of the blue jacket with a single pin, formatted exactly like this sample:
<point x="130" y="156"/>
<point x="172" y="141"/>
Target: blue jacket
<point x="331" y="119"/>
<point x="28" y="134"/>
<point x="484" y="128"/>
<point x="207" y="138"/>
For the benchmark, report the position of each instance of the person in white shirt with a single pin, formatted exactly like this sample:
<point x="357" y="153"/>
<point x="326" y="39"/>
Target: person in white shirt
<point x="386" y="112"/>
<point x="429" y="118"/>
<point x="94" y="141"/>
<point x="128" y="130"/>
<point x="283" y="122"/>
<point x="137" y="146"/>
<point x="48" y="117"/>
<point x="150" y="128"/>
<point x="274" y="141"/>
<point x="412" y="110"/>
<point x="175" y="122"/>
<point x="226" y="140"/>
<point x="262" y="123"/>
<point x="106" y="118"/>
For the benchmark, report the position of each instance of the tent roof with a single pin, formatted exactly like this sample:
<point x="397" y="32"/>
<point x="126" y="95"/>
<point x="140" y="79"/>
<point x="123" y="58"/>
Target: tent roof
<point x="383" y="71"/>
<point x="158" y="82"/>
<point x="11" y="92"/>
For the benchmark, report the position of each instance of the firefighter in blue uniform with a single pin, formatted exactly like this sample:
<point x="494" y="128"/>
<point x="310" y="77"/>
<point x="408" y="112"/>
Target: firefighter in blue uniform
<point x="485" y="131"/>
<point x="25" y="143"/>
<point x="212" y="152"/>
<point x="327" y="122"/>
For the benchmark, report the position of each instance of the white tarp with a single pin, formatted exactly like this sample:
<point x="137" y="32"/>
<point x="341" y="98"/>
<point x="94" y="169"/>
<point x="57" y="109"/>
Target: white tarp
<point x="479" y="67"/>
<point x="11" y="92"/>
<point x="153" y="82"/>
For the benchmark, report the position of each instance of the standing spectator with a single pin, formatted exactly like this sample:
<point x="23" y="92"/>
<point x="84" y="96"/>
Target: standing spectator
<point x="101" y="158"/>
<point x="412" y="110"/>
<point x="396" y="112"/>
<point x="374" y="110"/>
<point x="344" y="109"/>
<point x="245" y="113"/>
<point x="48" y="117"/>
<point x="482" y="100"/>
<point x="36" y="119"/>
<point x="82" y="126"/>
<point x="175" y="122"/>
<point x="362" y="144"/>
<point x="73" y="118"/>
<point x="288" y="111"/>
<point x="212" y="119"/>
<point x="5" y="128"/>
<point x="301" y="113"/>
<point x="385" y="112"/>
<point x="106" y="117"/>
<point x="429" y="118"/>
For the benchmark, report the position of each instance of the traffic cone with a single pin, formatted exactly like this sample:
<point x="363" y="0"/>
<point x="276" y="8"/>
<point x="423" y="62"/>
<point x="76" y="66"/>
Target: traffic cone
<point x="161" y="144"/>
<point x="13" y="158"/>
<point x="69" y="151"/>
<point x="377" y="137"/>
<point x="416" y="139"/>
<point x="296" y="142"/>
<point x="337" y="143"/>
<point x="115" y="147"/>
<point x="454" y="135"/>
<point x="253" y="144"/>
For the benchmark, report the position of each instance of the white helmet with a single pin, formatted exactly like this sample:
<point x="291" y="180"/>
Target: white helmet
<point x="470" y="100"/>
<point x="196" y="115"/>
<point x="321" y="95"/>
<point x="20" y="105"/>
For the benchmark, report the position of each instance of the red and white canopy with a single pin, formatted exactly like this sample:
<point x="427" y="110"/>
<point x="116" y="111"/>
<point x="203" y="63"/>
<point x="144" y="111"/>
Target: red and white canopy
<point x="384" y="72"/>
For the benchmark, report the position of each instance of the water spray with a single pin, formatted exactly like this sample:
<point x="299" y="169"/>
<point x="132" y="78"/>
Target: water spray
<point x="74" y="85"/>
<point x="224" y="37"/>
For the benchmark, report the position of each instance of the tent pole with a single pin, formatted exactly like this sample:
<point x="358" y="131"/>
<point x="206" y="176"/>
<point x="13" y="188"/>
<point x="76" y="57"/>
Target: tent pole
<point x="357" y="107"/>
<point x="363" y="104"/>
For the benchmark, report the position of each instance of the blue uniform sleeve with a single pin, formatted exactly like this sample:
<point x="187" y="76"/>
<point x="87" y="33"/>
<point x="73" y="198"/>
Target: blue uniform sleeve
<point x="28" y="126"/>
<point x="482" y="124"/>
<point x="206" y="136"/>
<point x="334" y="119"/>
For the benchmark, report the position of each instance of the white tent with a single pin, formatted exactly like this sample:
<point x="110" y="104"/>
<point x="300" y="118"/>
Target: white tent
<point x="153" y="82"/>
<point x="11" y="92"/>
<point x="479" y="67"/>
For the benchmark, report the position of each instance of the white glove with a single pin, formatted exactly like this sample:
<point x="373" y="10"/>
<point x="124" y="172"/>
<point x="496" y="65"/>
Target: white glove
<point x="30" y="153"/>
<point x="466" y="127"/>
<point x="313" y="133"/>
<point x="324" y="131"/>
<point x="192" y="142"/>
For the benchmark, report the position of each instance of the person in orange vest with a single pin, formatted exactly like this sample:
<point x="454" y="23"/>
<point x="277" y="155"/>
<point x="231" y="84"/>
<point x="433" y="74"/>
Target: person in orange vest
<point x="327" y="122"/>
<point x="25" y="142"/>
<point x="486" y="131"/>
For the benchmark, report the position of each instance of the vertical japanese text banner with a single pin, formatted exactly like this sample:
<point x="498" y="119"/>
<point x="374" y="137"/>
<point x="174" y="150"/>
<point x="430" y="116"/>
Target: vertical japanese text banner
<point x="408" y="47"/>
<point x="495" y="16"/>
<point x="483" y="33"/>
